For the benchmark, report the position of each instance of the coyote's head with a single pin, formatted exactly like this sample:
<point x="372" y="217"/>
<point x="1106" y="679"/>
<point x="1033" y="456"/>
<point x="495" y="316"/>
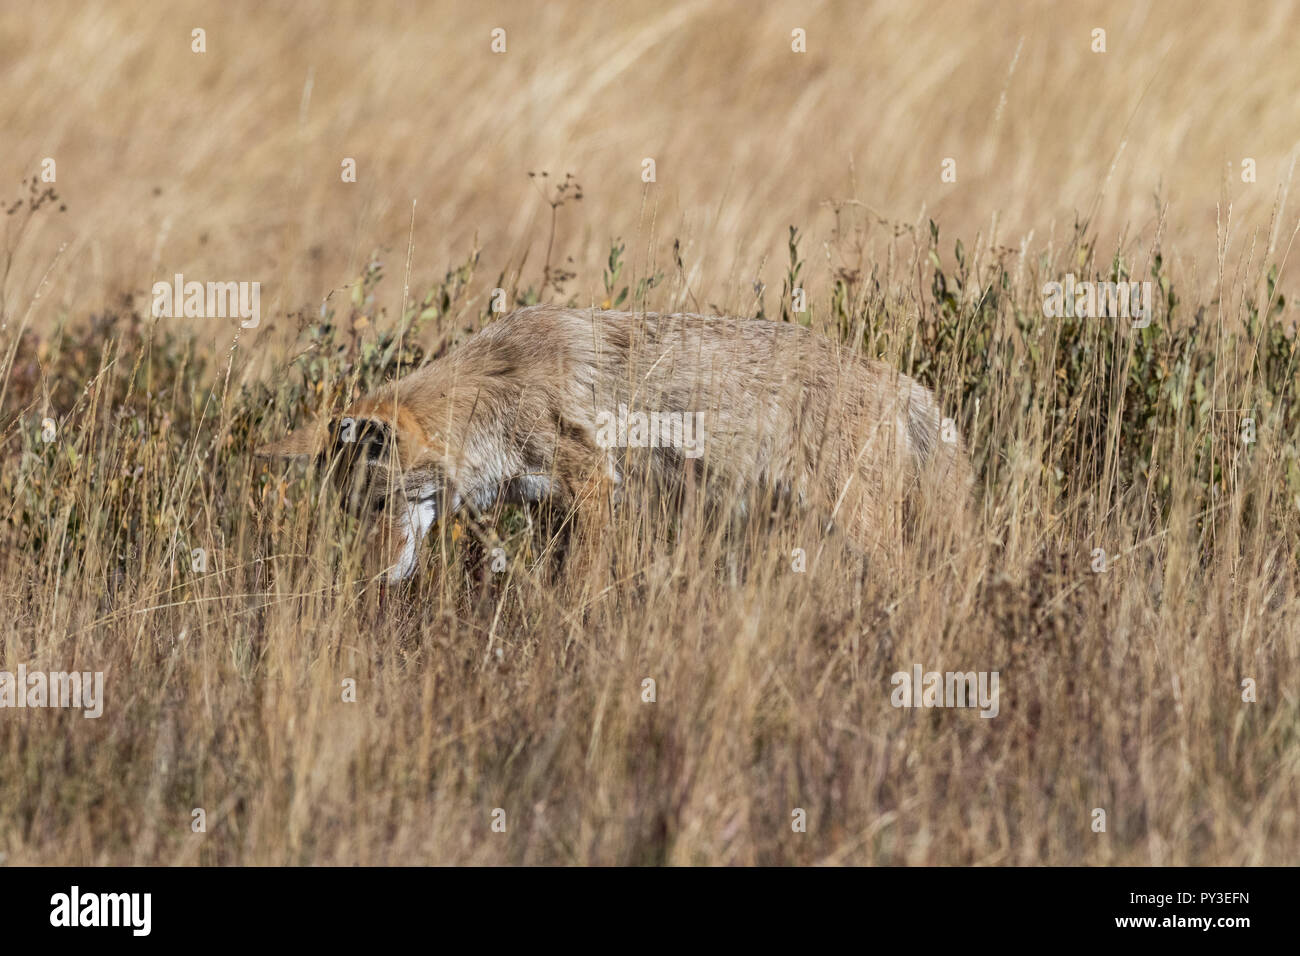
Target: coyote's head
<point x="384" y="473"/>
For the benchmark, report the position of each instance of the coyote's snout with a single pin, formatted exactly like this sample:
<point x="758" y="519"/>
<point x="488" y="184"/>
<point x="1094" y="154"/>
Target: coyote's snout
<point x="562" y="404"/>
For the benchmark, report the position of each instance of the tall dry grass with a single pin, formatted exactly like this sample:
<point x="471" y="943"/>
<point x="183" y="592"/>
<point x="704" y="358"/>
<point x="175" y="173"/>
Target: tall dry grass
<point x="523" y="689"/>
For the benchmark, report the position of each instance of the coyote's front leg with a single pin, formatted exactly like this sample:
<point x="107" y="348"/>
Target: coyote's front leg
<point x="587" y="480"/>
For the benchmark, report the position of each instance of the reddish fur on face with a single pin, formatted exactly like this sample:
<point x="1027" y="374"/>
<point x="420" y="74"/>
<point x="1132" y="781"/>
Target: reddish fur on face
<point x="526" y="404"/>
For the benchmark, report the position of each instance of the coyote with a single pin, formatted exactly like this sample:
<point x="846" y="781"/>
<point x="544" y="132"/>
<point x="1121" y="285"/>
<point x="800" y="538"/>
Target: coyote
<point x="561" y="404"/>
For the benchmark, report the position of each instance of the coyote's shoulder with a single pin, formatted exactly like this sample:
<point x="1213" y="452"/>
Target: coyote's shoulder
<point x="551" y="402"/>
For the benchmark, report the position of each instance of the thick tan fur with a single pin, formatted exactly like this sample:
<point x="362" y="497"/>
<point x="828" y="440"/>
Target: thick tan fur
<point x="521" y="410"/>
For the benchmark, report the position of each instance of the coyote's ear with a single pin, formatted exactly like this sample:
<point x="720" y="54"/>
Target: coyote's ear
<point x="366" y="438"/>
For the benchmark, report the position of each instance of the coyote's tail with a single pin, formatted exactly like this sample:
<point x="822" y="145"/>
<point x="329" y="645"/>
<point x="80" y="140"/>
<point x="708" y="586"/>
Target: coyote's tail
<point x="943" y="479"/>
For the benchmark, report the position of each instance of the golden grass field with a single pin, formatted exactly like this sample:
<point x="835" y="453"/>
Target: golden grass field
<point x="521" y="689"/>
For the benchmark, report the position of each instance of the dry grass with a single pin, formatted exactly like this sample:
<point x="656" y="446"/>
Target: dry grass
<point x="478" y="690"/>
